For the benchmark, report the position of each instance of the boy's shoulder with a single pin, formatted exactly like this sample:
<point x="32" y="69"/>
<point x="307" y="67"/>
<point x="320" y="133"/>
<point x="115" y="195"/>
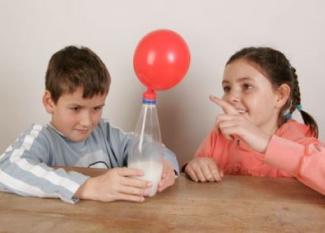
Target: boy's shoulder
<point x="113" y="136"/>
<point x="104" y="125"/>
<point x="34" y="131"/>
<point x="40" y="132"/>
<point x="36" y="136"/>
<point x="47" y="134"/>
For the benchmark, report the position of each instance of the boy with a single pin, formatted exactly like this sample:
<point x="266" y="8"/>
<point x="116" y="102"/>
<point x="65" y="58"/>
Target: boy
<point x="77" y="84"/>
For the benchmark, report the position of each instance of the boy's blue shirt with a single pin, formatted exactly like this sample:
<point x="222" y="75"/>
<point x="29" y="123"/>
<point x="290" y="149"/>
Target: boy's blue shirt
<point x="25" y="167"/>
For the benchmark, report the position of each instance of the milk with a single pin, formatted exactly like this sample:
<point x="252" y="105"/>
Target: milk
<point x="152" y="172"/>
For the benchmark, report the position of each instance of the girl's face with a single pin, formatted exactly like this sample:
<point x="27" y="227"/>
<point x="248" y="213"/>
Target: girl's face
<point x="252" y="94"/>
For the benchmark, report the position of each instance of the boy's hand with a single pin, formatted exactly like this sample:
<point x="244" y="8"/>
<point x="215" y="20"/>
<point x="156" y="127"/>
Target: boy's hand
<point x="168" y="176"/>
<point x="235" y="124"/>
<point x="115" y="184"/>
<point x="203" y="169"/>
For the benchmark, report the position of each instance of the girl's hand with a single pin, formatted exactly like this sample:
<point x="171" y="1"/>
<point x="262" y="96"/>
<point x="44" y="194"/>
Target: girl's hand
<point x="168" y="176"/>
<point x="115" y="184"/>
<point x="235" y="124"/>
<point x="203" y="169"/>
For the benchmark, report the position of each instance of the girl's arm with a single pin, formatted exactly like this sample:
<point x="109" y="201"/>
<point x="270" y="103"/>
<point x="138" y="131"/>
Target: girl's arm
<point x="206" y="164"/>
<point x="305" y="160"/>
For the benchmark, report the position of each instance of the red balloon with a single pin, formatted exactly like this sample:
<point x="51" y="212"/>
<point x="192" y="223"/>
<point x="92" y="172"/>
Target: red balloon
<point x="161" y="59"/>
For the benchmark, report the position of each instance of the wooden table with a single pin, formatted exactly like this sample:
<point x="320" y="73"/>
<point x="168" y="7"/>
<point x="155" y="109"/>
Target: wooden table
<point x="238" y="204"/>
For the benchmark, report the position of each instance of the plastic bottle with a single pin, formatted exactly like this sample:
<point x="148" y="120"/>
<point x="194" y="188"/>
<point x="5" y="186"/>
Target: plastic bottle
<point x="147" y="149"/>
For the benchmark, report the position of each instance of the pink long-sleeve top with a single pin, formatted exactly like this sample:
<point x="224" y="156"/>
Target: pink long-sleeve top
<point x="292" y="152"/>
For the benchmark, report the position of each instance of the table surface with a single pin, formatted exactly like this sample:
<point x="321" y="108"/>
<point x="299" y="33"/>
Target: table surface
<point x="237" y="204"/>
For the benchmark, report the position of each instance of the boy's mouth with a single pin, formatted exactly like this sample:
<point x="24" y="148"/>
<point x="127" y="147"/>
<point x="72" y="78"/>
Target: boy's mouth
<point x="83" y="131"/>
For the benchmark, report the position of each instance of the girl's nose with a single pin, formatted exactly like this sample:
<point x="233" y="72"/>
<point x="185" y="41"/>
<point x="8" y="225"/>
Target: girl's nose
<point x="233" y="97"/>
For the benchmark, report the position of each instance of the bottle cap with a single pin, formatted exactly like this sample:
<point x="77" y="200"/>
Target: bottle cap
<point x="149" y="96"/>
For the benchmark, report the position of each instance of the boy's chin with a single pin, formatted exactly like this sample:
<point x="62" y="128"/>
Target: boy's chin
<point x="77" y="138"/>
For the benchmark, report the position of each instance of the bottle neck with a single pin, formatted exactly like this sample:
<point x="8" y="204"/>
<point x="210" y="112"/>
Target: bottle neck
<point x="149" y="101"/>
<point x="148" y="128"/>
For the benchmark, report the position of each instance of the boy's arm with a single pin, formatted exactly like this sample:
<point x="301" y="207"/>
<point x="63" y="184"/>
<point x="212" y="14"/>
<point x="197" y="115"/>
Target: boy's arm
<point x="24" y="169"/>
<point x="171" y="157"/>
<point x="305" y="160"/>
<point x="115" y="184"/>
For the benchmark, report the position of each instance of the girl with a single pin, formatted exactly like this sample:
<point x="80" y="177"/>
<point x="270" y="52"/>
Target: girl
<point x="256" y="135"/>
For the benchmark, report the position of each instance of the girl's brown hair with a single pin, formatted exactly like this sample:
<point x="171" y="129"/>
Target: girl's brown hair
<point x="277" y="68"/>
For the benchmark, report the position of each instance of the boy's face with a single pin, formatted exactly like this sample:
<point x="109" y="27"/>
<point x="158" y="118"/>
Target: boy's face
<point x="74" y="116"/>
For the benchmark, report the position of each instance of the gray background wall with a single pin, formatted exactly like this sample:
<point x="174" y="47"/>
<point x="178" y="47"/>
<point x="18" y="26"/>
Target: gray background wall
<point x="31" y="31"/>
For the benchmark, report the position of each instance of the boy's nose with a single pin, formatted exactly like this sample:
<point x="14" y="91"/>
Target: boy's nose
<point x="85" y="119"/>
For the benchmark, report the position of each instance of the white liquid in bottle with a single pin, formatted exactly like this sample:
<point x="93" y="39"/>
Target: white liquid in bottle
<point x="152" y="172"/>
<point x="145" y="149"/>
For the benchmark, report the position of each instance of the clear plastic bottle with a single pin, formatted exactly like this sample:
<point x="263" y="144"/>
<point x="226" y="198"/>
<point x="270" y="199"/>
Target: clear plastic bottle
<point x="146" y="149"/>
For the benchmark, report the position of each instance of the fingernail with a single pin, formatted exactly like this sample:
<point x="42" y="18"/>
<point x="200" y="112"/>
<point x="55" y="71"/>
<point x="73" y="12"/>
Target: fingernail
<point x="146" y="192"/>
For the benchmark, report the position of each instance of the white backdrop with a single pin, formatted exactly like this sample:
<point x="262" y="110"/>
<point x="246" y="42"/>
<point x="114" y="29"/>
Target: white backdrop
<point x="31" y="31"/>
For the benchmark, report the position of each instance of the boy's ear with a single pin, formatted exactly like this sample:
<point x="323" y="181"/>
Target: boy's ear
<point x="283" y="94"/>
<point x="48" y="102"/>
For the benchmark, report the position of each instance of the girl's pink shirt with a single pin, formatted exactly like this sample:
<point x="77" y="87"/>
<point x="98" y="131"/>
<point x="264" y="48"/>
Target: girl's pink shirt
<point x="292" y="152"/>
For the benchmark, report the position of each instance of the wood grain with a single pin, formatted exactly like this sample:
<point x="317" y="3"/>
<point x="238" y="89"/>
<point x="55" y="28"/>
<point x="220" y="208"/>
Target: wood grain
<point x="238" y="204"/>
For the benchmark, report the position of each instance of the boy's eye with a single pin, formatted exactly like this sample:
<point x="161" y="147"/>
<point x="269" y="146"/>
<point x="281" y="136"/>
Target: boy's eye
<point x="98" y="108"/>
<point x="75" y="109"/>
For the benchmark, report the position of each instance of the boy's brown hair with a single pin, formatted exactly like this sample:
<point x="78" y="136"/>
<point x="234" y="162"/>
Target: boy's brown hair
<point x="71" y="68"/>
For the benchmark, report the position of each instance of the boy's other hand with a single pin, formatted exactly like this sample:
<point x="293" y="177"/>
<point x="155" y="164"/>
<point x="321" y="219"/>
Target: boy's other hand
<point x="115" y="184"/>
<point x="168" y="176"/>
<point x="203" y="169"/>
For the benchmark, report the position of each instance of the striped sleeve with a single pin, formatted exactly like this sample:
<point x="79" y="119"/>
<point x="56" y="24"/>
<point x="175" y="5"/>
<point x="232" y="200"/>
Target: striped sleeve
<point x="24" y="170"/>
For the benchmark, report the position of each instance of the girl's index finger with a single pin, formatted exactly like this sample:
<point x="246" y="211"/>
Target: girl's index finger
<point x="226" y="107"/>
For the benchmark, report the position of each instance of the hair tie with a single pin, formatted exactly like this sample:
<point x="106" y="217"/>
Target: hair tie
<point x="288" y="116"/>
<point x="299" y="107"/>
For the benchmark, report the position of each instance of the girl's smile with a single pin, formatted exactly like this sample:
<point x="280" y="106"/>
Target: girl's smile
<point x="251" y="93"/>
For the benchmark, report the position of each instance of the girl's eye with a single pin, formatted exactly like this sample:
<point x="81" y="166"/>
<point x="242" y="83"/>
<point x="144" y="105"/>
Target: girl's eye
<point x="247" y="86"/>
<point x="226" y="89"/>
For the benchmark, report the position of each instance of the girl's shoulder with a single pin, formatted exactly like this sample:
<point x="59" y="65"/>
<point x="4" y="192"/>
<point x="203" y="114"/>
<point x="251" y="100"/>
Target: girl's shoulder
<point x="294" y="130"/>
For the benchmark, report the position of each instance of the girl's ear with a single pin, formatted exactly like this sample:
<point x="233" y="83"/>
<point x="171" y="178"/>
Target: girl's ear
<point x="48" y="102"/>
<point x="282" y="95"/>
